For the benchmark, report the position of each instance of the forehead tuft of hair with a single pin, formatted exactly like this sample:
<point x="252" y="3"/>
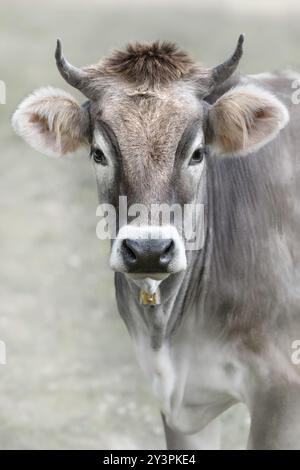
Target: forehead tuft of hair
<point x="152" y="64"/>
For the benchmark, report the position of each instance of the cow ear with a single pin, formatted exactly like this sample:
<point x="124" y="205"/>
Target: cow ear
<point x="52" y="122"/>
<point x="244" y="119"/>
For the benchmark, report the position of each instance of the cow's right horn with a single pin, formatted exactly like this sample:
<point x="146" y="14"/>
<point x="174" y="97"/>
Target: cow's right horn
<point x="76" y="77"/>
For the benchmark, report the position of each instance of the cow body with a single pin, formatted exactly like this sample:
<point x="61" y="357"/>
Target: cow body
<point x="164" y="130"/>
<point x="235" y="314"/>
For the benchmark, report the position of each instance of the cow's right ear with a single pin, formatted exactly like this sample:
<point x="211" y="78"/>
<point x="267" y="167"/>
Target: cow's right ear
<point x="52" y="122"/>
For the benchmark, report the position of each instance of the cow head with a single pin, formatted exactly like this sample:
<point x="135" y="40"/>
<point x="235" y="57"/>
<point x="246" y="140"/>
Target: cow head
<point x="149" y="128"/>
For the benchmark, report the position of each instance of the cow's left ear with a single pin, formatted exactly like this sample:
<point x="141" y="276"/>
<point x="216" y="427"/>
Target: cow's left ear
<point x="244" y="119"/>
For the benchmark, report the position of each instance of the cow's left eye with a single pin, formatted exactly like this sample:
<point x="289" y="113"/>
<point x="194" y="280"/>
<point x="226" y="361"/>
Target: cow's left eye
<point x="98" y="156"/>
<point x="197" y="157"/>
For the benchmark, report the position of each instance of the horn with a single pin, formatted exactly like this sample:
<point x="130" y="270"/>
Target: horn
<point x="221" y="72"/>
<point x="76" y="77"/>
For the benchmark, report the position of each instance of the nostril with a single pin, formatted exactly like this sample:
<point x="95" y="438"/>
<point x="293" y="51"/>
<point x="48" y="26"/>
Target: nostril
<point x="167" y="251"/>
<point x="129" y="252"/>
<point x="169" y="247"/>
<point x="147" y="255"/>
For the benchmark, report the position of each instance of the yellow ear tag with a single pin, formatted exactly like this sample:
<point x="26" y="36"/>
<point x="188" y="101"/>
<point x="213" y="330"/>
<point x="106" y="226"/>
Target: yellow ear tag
<point x="148" y="299"/>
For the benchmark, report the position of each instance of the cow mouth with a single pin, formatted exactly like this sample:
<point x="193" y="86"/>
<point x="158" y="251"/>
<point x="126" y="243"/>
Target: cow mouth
<point x="139" y="277"/>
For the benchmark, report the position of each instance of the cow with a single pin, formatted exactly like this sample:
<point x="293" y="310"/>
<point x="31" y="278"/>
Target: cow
<point x="218" y="324"/>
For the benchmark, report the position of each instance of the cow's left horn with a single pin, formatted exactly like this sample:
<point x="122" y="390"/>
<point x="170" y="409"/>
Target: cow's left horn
<point x="221" y="72"/>
<point x="76" y="77"/>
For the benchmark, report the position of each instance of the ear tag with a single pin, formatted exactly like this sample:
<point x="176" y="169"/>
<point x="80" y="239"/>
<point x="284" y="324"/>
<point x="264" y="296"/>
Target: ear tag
<point x="150" y="299"/>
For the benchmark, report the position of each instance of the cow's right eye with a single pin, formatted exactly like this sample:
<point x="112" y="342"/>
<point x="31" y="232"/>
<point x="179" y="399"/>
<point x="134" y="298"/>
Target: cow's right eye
<point x="197" y="156"/>
<point x="98" y="156"/>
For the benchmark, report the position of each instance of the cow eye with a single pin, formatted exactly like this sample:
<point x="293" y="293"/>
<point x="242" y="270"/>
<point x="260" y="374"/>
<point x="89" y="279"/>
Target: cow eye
<point x="98" y="156"/>
<point x="197" y="156"/>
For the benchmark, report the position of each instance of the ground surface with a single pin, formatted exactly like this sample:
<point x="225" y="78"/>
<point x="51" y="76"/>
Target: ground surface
<point x="71" y="379"/>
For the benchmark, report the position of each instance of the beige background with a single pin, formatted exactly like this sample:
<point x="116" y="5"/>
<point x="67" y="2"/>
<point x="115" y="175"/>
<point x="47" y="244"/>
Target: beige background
<point x="71" y="379"/>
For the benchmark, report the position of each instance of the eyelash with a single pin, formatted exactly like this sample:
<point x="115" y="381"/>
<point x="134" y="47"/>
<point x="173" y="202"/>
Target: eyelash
<point x="98" y="156"/>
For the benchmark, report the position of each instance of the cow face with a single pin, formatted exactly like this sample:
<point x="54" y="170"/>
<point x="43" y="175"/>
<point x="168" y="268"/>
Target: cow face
<point x="149" y="147"/>
<point x="149" y="130"/>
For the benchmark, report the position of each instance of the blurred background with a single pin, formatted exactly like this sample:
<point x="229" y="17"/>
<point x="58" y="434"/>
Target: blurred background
<point x="71" y="378"/>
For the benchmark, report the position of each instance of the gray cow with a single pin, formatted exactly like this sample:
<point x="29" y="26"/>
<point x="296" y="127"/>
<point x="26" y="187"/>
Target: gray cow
<point x="219" y="324"/>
